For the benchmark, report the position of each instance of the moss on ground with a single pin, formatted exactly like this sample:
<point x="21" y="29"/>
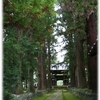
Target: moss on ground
<point x="69" y="96"/>
<point x="44" y="96"/>
<point x="66" y="96"/>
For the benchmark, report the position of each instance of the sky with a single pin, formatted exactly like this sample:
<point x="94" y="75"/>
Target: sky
<point x="60" y="54"/>
<point x="60" y="44"/>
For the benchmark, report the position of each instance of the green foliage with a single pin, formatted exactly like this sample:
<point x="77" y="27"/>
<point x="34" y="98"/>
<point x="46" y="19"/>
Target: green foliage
<point x="74" y="15"/>
<point x="27" y="24"/>
<point x="7" y="95"/>
<point x="11" y="48"/>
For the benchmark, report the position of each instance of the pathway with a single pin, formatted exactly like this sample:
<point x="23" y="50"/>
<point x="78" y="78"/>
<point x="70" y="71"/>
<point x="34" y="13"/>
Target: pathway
<point x="56" y="96"/>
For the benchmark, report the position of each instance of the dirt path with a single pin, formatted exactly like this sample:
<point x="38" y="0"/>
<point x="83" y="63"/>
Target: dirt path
<point x="56" y="96"/>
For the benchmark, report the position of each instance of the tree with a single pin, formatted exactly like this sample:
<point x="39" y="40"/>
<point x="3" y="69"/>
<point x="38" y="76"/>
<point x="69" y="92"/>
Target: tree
<point x="92" y="60"/>
<point x="75" y="10"/>
<point x="22" y="32"/>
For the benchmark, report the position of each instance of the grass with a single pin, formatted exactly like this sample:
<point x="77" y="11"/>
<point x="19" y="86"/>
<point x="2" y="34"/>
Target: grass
<point x="66" y="96"/>
<point x="69" y="96"/>
<point x="44" y="96"/>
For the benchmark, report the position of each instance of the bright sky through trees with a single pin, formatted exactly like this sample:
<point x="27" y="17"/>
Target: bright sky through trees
<point x="60" y="44"/>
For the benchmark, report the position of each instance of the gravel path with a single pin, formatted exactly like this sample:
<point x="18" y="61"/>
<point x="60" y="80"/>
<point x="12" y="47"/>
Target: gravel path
<point x="56" y="96"/>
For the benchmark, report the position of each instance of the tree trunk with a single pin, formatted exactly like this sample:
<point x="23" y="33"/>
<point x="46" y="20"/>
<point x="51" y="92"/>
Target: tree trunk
<point x="92" y="73"/>
<point x="91" y="30"/>
<point x="92" y="61"/>
<point x="72" y="76"/>
<point x="43" y="70"/>
<point x="72" y="61"/>
<point x="39" y="73"/>
<point x="43" y="74"/>
<point x="80" y="69"/>
<point x="30" y="71"/>
<point x="31" y="82"/>
<point x="19" y="83"/>
<point x="49" y="65"/>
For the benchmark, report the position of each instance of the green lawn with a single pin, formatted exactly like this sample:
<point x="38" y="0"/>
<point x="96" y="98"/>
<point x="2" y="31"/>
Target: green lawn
<point x="44" y="96"/>
<point x="69" y="96"/>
